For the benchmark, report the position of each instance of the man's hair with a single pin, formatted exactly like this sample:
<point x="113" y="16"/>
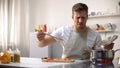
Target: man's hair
<point x="79" y="7"/>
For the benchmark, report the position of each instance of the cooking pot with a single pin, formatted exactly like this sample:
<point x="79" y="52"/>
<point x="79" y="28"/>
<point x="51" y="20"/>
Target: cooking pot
<point x="103" y="56"/>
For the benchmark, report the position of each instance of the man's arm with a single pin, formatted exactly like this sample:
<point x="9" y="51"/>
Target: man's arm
<point x="44" y="39"/>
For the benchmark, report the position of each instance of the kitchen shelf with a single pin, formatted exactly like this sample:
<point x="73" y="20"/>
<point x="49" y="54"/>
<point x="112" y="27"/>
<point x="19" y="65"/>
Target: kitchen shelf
<point x="103" y="31"/>
<point x="104" y="16"/>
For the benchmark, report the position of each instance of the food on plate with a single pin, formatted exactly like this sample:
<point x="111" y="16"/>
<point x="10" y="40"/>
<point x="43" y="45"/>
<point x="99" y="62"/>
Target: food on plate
<point x="5" y="57"/>
<point x="38" y="28"/>
<point x="48" y="59"/>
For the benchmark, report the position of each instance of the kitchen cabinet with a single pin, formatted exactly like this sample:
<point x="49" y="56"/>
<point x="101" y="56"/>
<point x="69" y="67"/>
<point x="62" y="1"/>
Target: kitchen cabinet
<point x="102" y="16"/>
<point x="35" y="50"/>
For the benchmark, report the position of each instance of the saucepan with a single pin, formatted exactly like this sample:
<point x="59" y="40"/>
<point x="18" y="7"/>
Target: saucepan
<point x="103" y="56"/>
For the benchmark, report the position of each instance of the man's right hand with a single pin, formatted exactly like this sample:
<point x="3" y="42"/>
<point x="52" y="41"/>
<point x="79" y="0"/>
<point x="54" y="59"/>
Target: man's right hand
<point x="40" y="35"/>
<point x="44" y="39"/>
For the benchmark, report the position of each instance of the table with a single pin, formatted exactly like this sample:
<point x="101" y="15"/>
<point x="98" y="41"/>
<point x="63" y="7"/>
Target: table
<point x="37" y="63"/>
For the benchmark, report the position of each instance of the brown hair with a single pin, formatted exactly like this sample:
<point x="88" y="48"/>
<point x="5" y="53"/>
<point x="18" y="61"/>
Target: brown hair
<point x="79" y="7"/>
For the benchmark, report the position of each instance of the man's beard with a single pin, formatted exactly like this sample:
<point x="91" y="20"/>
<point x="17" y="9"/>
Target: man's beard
<point x="81" y="27"/>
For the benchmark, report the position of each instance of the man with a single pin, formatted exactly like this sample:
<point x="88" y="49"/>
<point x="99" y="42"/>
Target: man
<point x="78" y="39"/>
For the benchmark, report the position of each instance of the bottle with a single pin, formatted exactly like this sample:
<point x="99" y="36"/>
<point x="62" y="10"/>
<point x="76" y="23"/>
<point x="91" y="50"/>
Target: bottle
<point x="17" y="55"/>
<point x="38" y="28"/>
<point x="45" y="28"/>
<point x="12" y="54"/>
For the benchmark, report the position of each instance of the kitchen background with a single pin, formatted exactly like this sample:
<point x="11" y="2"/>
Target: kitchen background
<point x="57" y="13"/>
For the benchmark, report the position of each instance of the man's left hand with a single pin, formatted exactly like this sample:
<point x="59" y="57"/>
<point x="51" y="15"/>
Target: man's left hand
<point x="109" y="47"/>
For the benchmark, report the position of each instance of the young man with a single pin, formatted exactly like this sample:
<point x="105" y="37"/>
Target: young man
<point x="79" y="39"/>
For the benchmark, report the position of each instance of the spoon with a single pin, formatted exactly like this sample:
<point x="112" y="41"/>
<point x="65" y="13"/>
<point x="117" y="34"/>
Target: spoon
<point x="57" y="39"/>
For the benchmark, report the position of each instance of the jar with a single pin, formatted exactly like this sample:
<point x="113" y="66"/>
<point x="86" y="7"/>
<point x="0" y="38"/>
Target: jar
<point x="17" y="55"/>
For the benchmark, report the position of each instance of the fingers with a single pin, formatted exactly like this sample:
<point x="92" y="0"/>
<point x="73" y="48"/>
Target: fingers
<point x="36" y="30"/>
<point x="40" y="35"/>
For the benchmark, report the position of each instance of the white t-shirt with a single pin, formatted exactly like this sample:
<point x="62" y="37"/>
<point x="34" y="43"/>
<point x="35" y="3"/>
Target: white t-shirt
<point x="93" y="38"/>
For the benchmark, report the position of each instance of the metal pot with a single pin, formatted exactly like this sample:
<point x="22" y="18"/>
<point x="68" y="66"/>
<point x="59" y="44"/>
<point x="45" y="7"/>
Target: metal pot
<point x="103" y="56"/>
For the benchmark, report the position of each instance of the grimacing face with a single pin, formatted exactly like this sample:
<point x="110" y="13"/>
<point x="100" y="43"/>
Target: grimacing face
<point x="80" y="19"/>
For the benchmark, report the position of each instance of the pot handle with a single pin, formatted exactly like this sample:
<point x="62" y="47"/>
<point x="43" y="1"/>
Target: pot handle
<point x="116" y="50"/>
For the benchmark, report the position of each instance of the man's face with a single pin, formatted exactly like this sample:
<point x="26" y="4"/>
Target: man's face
<point x="80" y="19"/>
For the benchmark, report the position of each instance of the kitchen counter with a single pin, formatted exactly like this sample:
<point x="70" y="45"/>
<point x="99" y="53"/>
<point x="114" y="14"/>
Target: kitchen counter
<point x="37" y="63"/>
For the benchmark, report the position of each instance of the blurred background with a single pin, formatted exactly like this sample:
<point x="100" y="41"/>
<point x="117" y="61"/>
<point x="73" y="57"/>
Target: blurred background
<point x="19" y="19"/>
